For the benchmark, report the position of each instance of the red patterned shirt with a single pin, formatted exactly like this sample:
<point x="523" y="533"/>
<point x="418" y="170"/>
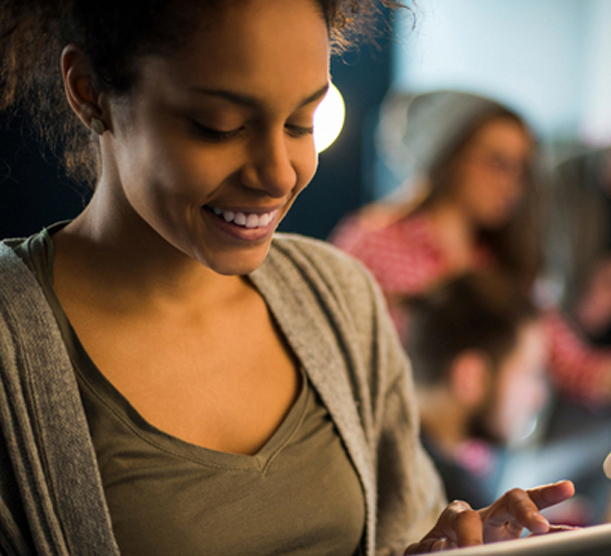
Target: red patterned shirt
<point x="406" y="259"/>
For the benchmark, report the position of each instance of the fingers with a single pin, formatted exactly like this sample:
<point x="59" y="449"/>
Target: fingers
<point x="429" y="545"/>
<point x="516" y="510"/>
<point x="558" y="529"/>
<point x="544" y="497"/>
<point x="548" y="495"/>
<point x="465" y="524"/>
<point x="458" y="525"/>
<point x="519" y="508"/>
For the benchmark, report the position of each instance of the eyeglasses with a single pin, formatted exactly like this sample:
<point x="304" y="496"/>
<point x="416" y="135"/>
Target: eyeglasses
<point x="499" y="164"/>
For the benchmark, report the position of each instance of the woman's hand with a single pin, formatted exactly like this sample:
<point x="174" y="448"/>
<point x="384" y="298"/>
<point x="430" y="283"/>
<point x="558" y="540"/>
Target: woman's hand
<point x="459" y="525"/>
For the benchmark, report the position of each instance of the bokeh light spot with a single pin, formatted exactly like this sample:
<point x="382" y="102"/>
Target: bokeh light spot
<point x="329" y="119"/>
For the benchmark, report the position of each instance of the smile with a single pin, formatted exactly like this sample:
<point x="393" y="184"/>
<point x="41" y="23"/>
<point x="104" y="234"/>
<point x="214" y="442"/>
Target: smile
<point x="244" y="219"/>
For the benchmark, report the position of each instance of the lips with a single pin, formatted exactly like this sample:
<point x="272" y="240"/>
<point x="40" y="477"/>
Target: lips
<point x="245" y="219"/>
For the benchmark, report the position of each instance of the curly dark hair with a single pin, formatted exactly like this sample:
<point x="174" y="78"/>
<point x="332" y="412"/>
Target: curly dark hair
<point x="114" y="34"/>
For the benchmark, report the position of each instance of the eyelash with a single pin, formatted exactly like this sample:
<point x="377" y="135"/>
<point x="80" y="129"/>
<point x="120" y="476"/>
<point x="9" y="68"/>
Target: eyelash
<point x="300" y="131"/>
<point x="214" y="135"/>
<point x="217" y="136"/>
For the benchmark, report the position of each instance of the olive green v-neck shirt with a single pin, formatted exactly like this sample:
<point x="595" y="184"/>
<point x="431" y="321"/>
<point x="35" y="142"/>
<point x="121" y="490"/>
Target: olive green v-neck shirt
<point x="298" y="495"/>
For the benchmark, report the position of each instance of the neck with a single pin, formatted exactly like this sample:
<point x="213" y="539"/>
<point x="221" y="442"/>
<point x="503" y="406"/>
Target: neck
<point x="124" y="254"/>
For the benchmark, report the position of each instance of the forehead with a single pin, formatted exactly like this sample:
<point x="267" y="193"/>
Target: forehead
<point x="254" y="44"/>
<point x="503" y="133"/>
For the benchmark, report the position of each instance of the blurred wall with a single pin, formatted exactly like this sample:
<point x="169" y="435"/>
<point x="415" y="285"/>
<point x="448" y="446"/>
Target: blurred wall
<point x="34" y="192"/>
<point x="549" y="59"/>
<point x="595" y="126"/>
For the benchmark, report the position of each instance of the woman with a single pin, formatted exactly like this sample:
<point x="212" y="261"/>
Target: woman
<point x="175" y="379"/>
<point x="470" y="203"/>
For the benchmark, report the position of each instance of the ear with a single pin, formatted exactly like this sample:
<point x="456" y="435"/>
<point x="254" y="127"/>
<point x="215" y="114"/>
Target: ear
<point x="79" y="88"/>
<point x="471" y="378"/>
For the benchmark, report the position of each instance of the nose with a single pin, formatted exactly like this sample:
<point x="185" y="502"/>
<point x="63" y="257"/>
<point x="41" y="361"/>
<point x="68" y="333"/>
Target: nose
<point x="270" y="167"/>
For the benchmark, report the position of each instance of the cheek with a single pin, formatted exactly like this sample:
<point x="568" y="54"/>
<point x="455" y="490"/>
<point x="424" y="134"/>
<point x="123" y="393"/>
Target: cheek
<point x="167" y="187"/>
<point x="311" y="166"/>
<point x="188" y="173"/>
<point x="305" y="163"/>
<point x="472" y="187"/>
<point x="484" y="192"/>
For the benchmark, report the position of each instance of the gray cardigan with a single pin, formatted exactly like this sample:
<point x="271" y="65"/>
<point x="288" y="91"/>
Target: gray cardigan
<point x="334" y="319"/>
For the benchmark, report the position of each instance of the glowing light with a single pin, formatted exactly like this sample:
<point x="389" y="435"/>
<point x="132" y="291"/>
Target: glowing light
<point x="329" y="119"/>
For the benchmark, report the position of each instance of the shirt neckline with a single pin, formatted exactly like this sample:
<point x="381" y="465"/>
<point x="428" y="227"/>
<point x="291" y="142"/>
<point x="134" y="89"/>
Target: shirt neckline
<point x="120" y="407"/>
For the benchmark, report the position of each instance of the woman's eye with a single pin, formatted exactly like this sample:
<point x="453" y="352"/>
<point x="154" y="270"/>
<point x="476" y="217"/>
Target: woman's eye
<point x="215" y="135"/>
<point x="299" y="131"/>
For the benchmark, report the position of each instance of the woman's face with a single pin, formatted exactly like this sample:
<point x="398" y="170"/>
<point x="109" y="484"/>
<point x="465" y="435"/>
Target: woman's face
<point x="492" y="171"/>
<point x="215" y="142"/>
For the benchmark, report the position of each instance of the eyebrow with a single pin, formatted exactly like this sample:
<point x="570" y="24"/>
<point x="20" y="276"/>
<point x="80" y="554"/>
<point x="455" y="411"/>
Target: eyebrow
<point x="250" y="101"/>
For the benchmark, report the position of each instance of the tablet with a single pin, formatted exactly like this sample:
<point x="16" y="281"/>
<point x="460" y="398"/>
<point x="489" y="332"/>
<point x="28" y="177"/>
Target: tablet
<point x="589" y="541"/>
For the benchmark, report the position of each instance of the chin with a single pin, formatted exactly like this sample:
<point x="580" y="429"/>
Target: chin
<point x="237" y="264"/>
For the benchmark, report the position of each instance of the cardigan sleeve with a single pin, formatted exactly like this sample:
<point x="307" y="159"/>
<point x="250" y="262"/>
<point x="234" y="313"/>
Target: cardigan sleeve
<point x="409" y="492"/>
<point x="51" y="494"/>
<point x="410" y="495"/>
<point x="335" y="318"/>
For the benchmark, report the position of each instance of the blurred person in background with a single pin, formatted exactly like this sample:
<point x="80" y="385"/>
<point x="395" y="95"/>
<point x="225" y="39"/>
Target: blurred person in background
<point x="472" y="201"/>
<point x="578" y="268"/>
<point x="579" y="240"/>
<point x="478" y="351"/>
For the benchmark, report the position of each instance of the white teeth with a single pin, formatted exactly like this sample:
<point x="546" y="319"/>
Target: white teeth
<point x="251" y="220"/>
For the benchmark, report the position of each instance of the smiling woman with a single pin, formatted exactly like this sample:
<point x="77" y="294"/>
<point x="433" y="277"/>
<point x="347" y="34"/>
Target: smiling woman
<point x="210" y="387"/>
<point x="224" y="125"/>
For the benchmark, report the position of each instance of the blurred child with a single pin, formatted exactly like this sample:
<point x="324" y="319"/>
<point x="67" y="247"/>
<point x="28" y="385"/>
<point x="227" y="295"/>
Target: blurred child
<point x="478" y="353"/>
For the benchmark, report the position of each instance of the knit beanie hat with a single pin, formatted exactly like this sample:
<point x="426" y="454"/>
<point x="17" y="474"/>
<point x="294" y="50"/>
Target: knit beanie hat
<point x="416" y="132"/>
